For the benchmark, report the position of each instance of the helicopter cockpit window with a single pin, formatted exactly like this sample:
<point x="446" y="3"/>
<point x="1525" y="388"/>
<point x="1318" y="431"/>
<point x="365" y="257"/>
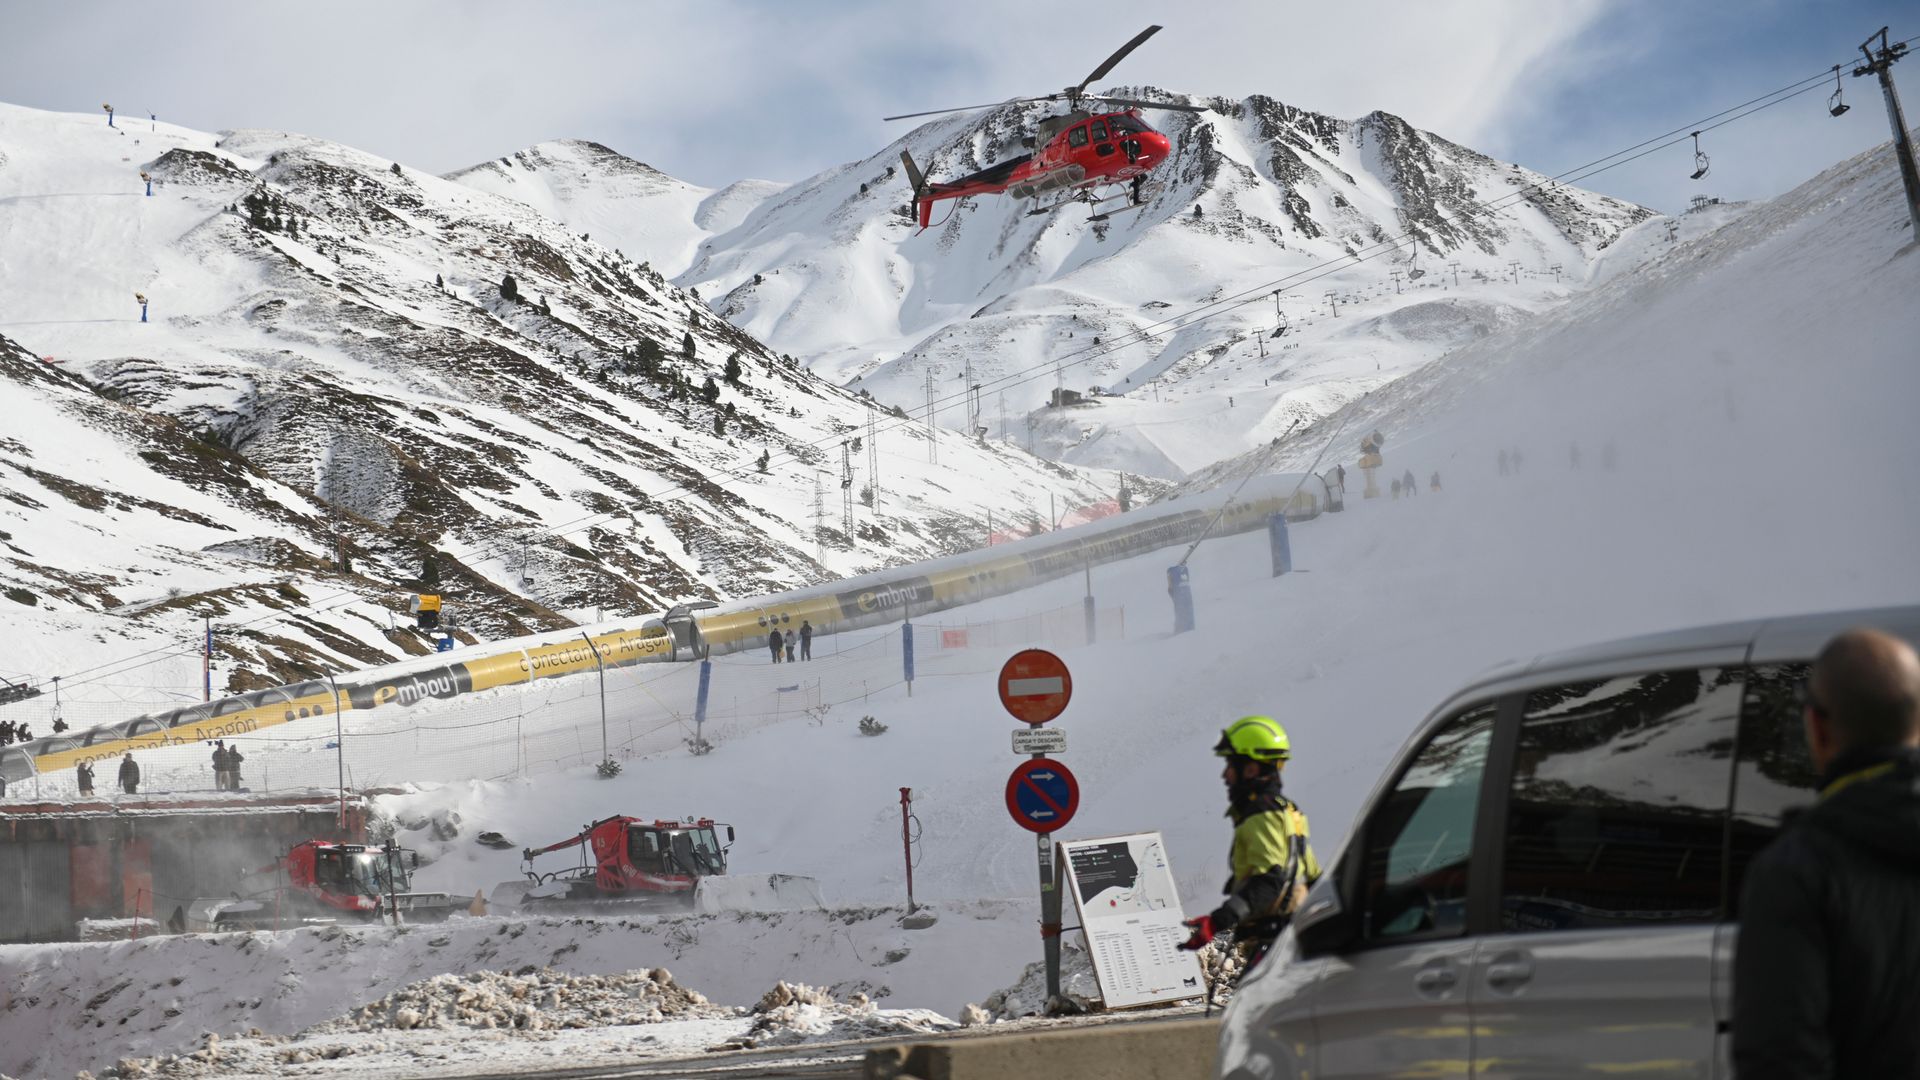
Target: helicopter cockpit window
<point x="1078" y="136"/>
<point x="1098" y="130"/>
<point x="1123" y="124"/>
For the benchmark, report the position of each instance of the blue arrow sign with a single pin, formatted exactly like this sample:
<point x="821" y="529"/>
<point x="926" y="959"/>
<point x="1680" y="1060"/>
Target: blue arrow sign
<point x="1042" y="795"/>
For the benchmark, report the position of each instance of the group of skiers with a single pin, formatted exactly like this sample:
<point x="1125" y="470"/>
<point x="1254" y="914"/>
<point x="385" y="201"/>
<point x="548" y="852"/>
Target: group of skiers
<point x="784" y="645"/>
<point x="11" y="732"/>
<point x="226" y="766"/>
<point x="129" y="775"/>
<point x="1409" y="485"/>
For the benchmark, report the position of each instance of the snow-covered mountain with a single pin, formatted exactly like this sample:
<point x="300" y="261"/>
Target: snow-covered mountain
<point x="336" y="354"/>
<point x="1259" y="197"/>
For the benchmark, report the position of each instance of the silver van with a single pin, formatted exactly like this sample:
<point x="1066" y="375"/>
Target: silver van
<point x="1545" y="883"/>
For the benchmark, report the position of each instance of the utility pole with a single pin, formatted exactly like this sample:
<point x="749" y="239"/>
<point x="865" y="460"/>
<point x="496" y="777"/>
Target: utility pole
<point x="819" y="519"/>
<point x="1277" y="313"/>
<point x="1882" y="66"/>
<point x="1673" y="231"/>
<point x="1556" y="273"/>
<point x="1003" y="416"/>
<point x="1260" y="335"/>
<point x="933" y="443"/>
<point x="846" y="488"/>
<point x="1334" y="303"/>
<point x="1395" y="275"/>
<point x="1514" y="268"/>
<point x="1455" y="267"/>
<point x="873" y="460"/>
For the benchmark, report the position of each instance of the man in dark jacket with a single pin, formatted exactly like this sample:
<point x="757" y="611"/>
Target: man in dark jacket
<point x="775" y="643"/>
<point x="806" y="639"/>
<point x="1827" y="973"/>
<point x="129" y="775"/>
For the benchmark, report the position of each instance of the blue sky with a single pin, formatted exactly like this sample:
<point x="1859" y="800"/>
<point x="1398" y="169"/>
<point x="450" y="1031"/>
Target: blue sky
<point x="725" y="89"/>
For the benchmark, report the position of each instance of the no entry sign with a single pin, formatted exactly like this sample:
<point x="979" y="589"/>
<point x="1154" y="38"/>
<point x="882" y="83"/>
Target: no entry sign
<point x="1035" y="686"/>
<point x="1042" y="795"/>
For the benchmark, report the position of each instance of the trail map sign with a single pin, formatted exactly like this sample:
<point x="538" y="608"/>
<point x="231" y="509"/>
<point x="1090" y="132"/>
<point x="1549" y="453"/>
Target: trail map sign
<point x="1042" y="795"/>
<point x="1130" y="913"/>
<point x="1035" y="686"/>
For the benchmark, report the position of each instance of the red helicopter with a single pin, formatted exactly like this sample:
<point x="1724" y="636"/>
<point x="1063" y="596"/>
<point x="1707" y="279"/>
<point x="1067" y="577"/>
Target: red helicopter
<point x="1078" y="151"/>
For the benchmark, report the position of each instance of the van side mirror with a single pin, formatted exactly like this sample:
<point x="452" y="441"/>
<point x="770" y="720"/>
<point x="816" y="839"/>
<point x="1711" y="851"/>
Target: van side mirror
<point x="1323" y="924"/>
<point x="416" y="860"/>
<point x="729" y="834"/>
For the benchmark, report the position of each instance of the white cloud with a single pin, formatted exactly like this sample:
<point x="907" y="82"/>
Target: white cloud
<point x="717" y="91"/>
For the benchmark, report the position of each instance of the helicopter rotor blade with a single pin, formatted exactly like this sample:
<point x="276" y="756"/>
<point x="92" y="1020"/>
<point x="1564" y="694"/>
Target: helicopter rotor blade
<point x="971" y="108"/>
<point x="1119" y="55"/>
<point x="1136" y="104"/>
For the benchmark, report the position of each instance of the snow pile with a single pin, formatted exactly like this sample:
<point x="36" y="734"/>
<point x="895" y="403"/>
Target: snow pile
<point x="346" y="987"/>
<point x="503" y="1018"/>
<point x="530" y="1001"/>
<point x="794" y="1013"/>
<point x="1028" y="994"/>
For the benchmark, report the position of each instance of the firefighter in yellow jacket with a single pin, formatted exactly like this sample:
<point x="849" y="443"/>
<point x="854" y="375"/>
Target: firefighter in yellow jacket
<point x="1272" y="862"/>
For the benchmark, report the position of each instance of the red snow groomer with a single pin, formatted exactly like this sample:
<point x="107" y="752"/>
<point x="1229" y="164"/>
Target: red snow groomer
<point x="320" y="882"/>
<point x="651" y="866"/>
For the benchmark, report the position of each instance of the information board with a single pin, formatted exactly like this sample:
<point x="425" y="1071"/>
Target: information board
<point x="1130" y="913"/>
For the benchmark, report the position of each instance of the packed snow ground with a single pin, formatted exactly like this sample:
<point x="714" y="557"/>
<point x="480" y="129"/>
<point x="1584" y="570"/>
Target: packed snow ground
<point x="1754" y="388"/>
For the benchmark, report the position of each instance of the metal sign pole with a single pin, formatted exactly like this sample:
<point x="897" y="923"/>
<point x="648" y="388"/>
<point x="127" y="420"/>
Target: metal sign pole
<point x="1049" y="915"/>
<point x="601" y="666"/>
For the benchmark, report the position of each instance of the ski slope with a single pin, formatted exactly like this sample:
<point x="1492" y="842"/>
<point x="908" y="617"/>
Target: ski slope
<point x="1754" y="384"/>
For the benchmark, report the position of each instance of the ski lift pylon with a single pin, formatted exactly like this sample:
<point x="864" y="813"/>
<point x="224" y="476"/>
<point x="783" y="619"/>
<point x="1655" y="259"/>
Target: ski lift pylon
<point x="1834" y="105"/>
<point x="1700" y="163"/>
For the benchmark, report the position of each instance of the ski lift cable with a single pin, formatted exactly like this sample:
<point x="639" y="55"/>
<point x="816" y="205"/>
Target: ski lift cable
<point x="487" y="549"/>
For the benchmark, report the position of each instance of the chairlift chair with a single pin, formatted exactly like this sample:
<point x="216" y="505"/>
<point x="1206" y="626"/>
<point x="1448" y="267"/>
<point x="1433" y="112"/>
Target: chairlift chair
<point x="1700" y="163"/>
<point x="1834" y="105"/>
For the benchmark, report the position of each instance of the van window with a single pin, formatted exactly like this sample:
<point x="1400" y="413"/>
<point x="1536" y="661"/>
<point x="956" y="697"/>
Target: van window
<point x="1420" y="838"/>
<point x="1618" y="810"/>
<point x="1775" y="773"/>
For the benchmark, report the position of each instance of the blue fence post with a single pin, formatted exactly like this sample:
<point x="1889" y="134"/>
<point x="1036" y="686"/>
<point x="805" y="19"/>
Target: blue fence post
<point x="1179" y="588"/>
<point x="1277" y="541"/>
<point x="700" y="701"/>
<point x="906" y="654"/>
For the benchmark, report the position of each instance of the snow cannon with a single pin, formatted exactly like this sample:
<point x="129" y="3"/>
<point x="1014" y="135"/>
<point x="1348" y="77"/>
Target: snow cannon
<point x="629" y="864"/>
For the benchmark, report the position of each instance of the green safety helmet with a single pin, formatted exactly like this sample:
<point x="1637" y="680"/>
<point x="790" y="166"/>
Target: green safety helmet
<point x="1260" y="738"/>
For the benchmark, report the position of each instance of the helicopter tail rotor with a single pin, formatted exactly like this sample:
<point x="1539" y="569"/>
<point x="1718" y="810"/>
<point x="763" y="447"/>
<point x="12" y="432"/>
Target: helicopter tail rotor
<point x="922" y="206"/>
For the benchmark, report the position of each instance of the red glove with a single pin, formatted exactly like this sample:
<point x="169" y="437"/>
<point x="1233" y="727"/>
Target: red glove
<point x="1202" y="933"/>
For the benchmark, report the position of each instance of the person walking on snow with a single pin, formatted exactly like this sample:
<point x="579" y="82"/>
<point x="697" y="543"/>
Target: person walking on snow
<point x="1272" y="860"/>
<point x="129" y="775"/>
<point x="1407" y="482"/>
<point x="1433" y="482"/>
<point x="233" y="767"/>
<point x="773" y="642"/>
<point x="1826" y="982"/>
<point x="83" y="772"/>
<point x="792" y="640"/>
<point x="806" y="640"/>
<point x="219" y="765"/>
